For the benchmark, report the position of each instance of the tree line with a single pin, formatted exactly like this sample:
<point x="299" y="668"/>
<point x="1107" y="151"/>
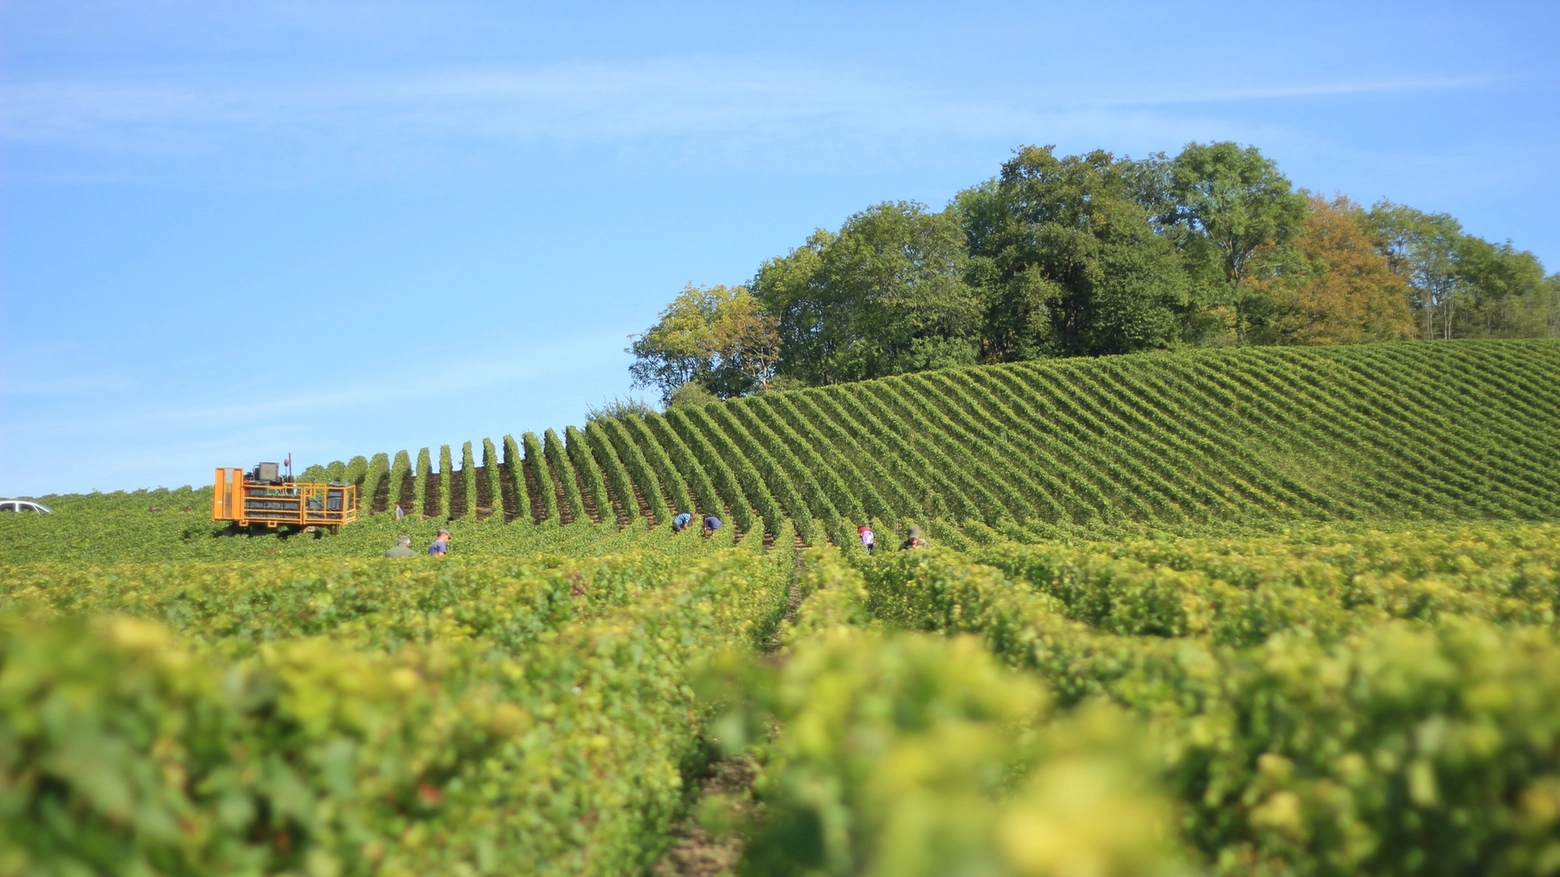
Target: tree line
<point x="1086" y="255"/>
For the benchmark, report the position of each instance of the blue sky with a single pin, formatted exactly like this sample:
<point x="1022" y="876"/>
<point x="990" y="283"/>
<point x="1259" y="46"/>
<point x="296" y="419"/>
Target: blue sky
<point x="230" y="231"/>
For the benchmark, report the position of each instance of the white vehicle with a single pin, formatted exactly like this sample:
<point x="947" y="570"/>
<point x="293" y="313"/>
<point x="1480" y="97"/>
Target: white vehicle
<point x="24" y="505"/>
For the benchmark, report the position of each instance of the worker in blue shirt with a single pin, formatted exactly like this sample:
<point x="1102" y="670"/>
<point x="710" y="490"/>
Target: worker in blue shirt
<point x="711" y="524"/>
<point x="441" y="544"/>
<point x="681" y="522"/>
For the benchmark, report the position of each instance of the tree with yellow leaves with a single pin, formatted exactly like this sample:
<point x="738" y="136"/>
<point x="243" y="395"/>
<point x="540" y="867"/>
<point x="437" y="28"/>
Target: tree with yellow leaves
<point x="1347" y="293"/>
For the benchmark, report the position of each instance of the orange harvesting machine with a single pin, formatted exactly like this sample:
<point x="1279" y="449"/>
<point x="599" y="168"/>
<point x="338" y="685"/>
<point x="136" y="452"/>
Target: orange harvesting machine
<point x="263" y="497"/>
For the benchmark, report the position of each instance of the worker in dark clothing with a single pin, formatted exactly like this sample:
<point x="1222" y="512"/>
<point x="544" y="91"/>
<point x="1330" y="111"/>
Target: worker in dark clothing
<point x="914" y="540"/>
<point x="681" y="522"/>
<point x="403" y="548"/>
<point x="711" y="524"/>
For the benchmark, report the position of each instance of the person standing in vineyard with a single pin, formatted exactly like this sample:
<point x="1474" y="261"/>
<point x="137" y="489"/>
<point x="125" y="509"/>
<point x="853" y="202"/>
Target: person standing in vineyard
<point x="441" y="544"/>
<point x="399" y="512"/>
<point x="402" y="548"/>
<point x="681" y="522"/>
<point x="868" y="538"/>
<point x="914" y="540"/>
<point x="711" y="524"/>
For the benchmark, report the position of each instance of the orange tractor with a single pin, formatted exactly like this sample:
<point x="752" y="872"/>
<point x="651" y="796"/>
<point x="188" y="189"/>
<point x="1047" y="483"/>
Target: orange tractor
<point x="264" y="497"/>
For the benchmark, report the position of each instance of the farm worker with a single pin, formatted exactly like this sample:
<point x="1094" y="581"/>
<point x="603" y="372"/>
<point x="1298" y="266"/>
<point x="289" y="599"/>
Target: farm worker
<point x="868" y="538"/>
<point x="915" y="540"/>
<point x="399" y="512"/>
<point x="403" y="548"/>
<point x="681" y="522"/>
<point x="441" y="544"/>
<point x="711" y="524"/>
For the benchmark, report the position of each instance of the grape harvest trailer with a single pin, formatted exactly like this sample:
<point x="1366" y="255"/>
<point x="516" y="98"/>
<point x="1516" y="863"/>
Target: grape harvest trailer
<point x="263" y="497"/>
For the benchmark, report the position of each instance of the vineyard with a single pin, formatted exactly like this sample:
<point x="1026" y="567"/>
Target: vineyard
<point x="1252" y="611"/>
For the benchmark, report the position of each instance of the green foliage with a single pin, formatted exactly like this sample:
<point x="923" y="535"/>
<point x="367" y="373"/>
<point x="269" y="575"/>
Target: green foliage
<point x="616" y="407"/>
<point x="1070" y="263"/>
<point x="375" y="476"/>
<point x="401" y="475"/>
<point x="1236" y="218"/>
<point x="357" y="468"/>
<point x="884" y="295"/>
<point x="616" y="476"/>
<point x="637" y="467"/>
<point x="415" y="719"/>
<point x="536" y="470"/>
<point x="446" y="483"/>
<point x="1322" y="703"/>
<point x="423" y="473"/>
<point x="1463" y="286"/>
<point x="660" y="462"/>
<point x="717" y="338"/>
<point x="595" y="485"/>
<point x="1186" y="437"/>
<point x="691" y="393"/>
<point x="468" y="478"/>
<point x="1085" y="255"/>
<point x="515" y="466"/>
<point x="563" y="471"/>
<point x="1242" y="627"/>
<point x="490" y="472"/>
<point x="689" y="431"/>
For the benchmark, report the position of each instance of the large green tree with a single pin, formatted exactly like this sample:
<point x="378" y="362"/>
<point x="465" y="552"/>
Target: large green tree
<point x="1235" y="217"/>
<point x="1505" y="292"/>
<point x="719" y="337"/>
<point x="1423" y="249"/>
<point x="1068" y="261"/>
<point x="884" y="295"/>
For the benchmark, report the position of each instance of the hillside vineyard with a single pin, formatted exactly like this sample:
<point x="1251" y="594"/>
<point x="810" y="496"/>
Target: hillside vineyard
<point x="1233" y="613"/>
<point x="1459" y="430"/>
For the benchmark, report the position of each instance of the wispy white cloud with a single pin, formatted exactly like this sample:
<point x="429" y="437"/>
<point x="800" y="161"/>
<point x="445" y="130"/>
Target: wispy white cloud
<point x="102" y="438"/>
<point x="1156" y="94"/>
<point x="692" y="98"/>
<point x="266" y="400"/>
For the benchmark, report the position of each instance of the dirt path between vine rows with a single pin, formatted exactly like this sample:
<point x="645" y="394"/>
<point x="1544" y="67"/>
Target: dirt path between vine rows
<point x="695" y="852"/>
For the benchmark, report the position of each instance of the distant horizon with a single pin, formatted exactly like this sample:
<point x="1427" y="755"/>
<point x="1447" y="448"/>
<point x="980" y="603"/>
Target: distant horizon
<point x="231" y="232"/>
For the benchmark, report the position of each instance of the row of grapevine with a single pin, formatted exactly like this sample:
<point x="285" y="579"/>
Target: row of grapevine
<point x="563" y="475"/>
<point x="492" y="717"/>
<point x="615" y="476"/>
<point x="539" y="481"/>
<point x="1329" y="700"/>
<point x="672" y="481"/>
<point x="901" y="754"/>
<point x="444" y="484"/>
<point x="1419" y="431"/>
<point x="1461" y="430"/>
<point x="718" y="485"/>
<point x="590" y="475"/>
<point x="375" y="479"/>
<point x="513" y="467"/>
<point x="645" y="487"/>
<point x="1255" y="670"/>
<point x="491" y="477"/>
<point x="468" y="483"/>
